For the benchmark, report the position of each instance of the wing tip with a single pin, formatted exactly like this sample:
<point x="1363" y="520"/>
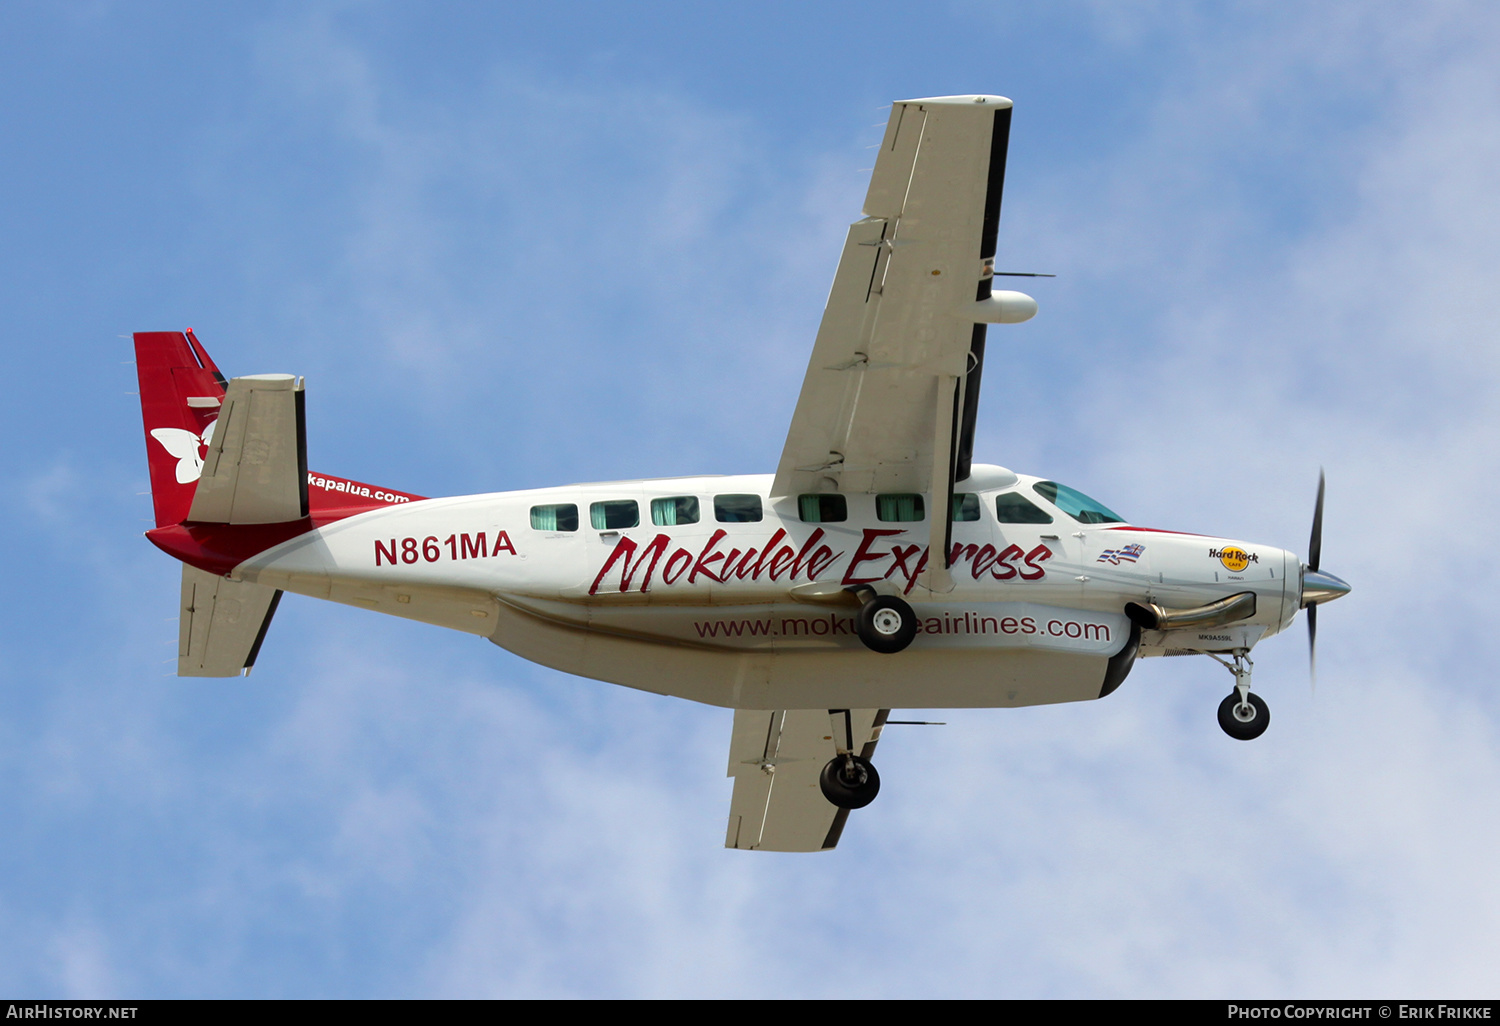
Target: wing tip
<point x="983" y="99"/>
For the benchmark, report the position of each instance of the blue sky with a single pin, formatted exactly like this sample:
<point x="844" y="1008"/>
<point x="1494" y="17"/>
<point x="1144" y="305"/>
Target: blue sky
<point x="514" y="246"/>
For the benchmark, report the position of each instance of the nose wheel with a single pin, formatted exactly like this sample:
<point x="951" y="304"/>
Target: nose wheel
<point x="1242" y="715"/>
<point x="1244" y="719"/>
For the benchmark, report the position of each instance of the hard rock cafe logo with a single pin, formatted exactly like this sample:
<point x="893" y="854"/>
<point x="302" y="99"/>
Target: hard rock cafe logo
<point x="1234" y="559"/>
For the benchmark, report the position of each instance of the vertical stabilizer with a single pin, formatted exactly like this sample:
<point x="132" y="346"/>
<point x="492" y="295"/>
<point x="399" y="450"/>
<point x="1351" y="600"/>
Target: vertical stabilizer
<point x="181" y="393"/>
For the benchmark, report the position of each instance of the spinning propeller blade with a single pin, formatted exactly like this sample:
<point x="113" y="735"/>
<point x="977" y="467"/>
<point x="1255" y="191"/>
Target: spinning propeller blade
<point x="1317" y="586"/>
<point x="1315" y="544"/>
<point x="1312" y="647"/>
<point x="1314" y="558"/>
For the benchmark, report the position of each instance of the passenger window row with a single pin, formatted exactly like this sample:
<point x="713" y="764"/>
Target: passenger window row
<point x="826" y="508"/>
<point x="673" y="511"/>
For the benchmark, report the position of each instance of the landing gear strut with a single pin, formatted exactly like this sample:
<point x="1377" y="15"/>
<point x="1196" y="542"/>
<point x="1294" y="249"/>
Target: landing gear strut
<point x="1242" y="715"/>
<point x="849" y="781"/>
<point x="886" y="623"/>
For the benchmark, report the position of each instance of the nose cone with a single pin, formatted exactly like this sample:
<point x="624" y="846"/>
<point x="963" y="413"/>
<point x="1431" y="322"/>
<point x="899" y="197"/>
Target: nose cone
<point x="1319" y="586"/>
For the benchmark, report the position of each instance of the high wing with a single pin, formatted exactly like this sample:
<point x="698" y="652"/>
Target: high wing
<point x="892" y="389"/>
<point x="775" y="759"/>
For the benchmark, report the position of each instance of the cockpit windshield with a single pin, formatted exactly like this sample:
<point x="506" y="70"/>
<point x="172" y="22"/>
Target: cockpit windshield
<point x="1077" y="505"/>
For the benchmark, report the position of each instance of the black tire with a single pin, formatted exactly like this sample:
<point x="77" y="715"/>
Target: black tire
<point x="849" y="781"/>
<point x="1244" y="723"/>
<point x="886" y="624"/>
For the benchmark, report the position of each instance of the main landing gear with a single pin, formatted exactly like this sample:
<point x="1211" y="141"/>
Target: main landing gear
<point x="849" y="781"/>
<point x="886" y="623"/>
<point x="1243" y="716"/>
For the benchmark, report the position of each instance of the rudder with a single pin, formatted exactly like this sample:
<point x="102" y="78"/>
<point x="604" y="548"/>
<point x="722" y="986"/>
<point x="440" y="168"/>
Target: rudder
<point x="181" y="393"/>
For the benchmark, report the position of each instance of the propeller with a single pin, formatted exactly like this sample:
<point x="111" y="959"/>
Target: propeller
<point x="1314" y="560"/>
<point x="1312" y="646"/>
<point x="1317" y="586"/>
<point x="1315" y="543"/>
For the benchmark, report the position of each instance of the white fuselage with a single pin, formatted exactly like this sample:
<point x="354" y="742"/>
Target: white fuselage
<point x="757" y="615"/>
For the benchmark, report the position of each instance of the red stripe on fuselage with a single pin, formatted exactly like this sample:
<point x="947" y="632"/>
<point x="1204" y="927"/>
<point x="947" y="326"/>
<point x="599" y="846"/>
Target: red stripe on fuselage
<point x="1158" y="530"/>
<point x="219" y="548"/>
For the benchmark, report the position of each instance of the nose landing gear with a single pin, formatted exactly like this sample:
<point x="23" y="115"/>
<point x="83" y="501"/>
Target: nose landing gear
<point x="1242" y="715"/>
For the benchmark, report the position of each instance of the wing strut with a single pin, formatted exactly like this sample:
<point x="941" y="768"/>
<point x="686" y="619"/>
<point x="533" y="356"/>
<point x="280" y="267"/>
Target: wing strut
<point x="940" y="517"/>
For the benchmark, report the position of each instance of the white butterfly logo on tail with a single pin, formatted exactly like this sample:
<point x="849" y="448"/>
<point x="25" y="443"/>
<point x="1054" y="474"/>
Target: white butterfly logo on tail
<point x="187" y="447"/>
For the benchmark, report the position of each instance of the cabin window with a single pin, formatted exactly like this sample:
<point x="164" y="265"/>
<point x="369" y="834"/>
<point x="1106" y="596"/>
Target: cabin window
<point x="899" y="508"/>
<point x="562" y="517"/>
<point x="737" y="509"/>
<point x="822" y="509"/>
<point x="1077" y="505"/>
<point x="1015" y="508"/>
<point x="965" y="506"/>
<point x="613" y="514"/>
<point x="678" y="509"/>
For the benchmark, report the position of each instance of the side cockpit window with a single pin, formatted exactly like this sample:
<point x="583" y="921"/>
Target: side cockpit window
<point x="1015" y="508"/>
<point x="1077" y="505"/>
<point x="561" y="517"/>
<point x="965" y="507"/>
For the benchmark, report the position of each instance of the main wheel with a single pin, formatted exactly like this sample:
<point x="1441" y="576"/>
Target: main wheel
<point x="1244" y="722"/>
<point x="849" y="781"/>
<point x="886" y="624"/>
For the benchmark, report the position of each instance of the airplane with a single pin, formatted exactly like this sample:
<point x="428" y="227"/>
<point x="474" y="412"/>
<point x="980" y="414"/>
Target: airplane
<point x="878" y="568"/>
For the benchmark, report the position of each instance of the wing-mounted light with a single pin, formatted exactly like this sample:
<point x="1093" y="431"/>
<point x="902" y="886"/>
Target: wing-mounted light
<point x="1003" y="307"/>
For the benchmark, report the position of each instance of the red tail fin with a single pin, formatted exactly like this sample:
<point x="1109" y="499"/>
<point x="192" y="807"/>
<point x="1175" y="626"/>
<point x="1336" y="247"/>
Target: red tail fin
<point x="181" y="390"/>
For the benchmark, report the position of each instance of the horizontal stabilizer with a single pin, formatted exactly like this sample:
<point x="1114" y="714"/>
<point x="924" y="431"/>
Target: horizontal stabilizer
<point x="223" y="623"/>
<point x="255" y="470"/>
